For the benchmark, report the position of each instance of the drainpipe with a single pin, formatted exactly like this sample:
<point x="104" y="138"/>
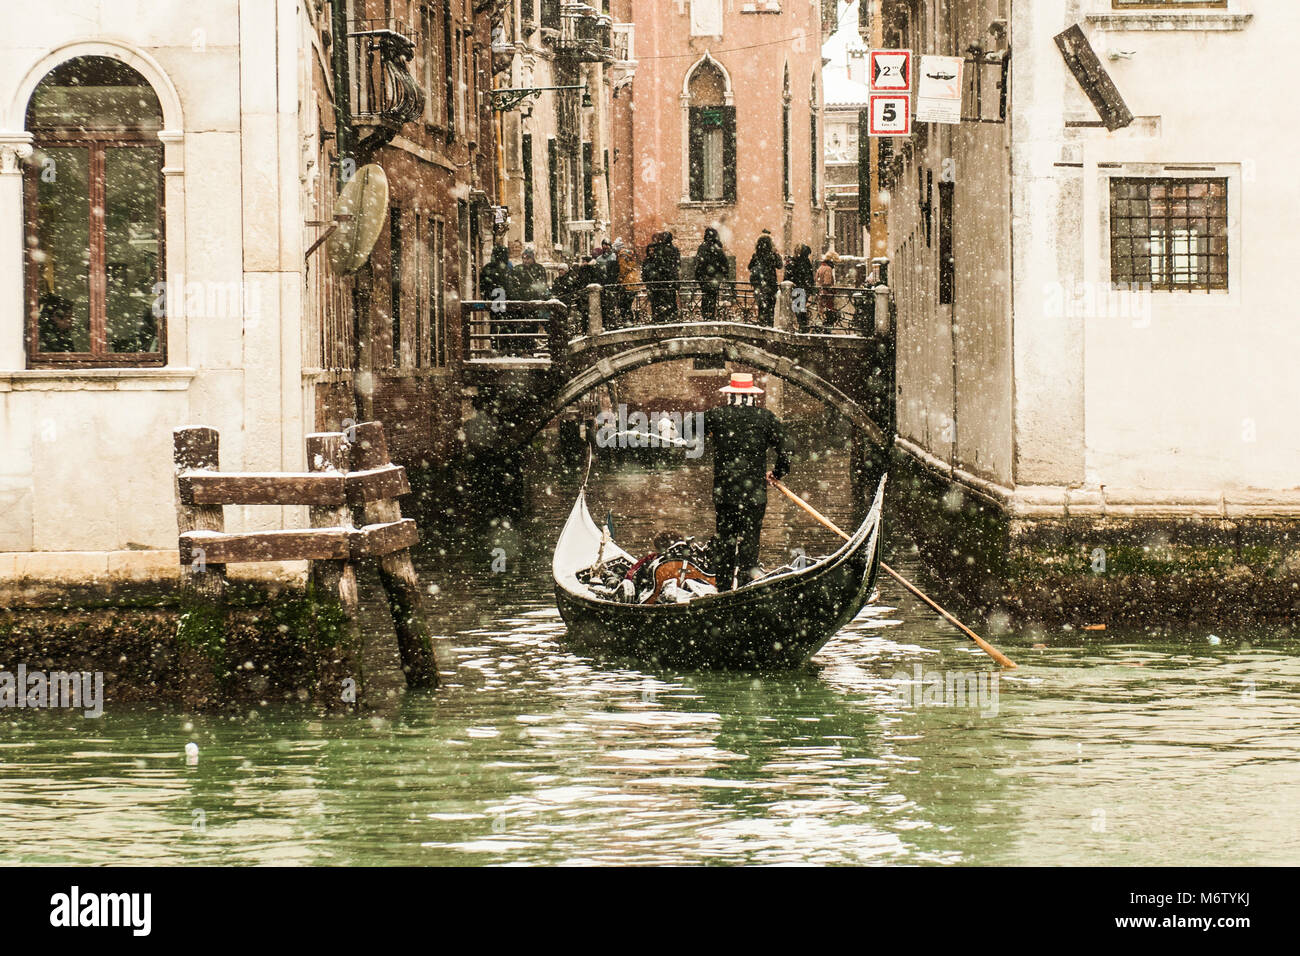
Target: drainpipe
<point x="346" y="137"/>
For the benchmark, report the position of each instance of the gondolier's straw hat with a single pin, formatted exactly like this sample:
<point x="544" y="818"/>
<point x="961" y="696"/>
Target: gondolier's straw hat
<point x="742" y="383"/>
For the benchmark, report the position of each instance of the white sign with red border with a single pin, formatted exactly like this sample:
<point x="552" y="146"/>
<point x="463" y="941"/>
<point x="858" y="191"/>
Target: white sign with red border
<point x="891" y="71"/>
<point x="891" y="114"/>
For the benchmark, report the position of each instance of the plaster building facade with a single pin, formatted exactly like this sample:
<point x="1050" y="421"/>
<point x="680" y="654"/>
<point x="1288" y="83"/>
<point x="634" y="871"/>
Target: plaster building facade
<point x="1095" y="349"/>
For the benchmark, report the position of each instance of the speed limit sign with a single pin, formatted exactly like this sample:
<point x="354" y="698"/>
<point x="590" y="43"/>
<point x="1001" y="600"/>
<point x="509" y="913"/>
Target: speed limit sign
<point x="891" y="115"/>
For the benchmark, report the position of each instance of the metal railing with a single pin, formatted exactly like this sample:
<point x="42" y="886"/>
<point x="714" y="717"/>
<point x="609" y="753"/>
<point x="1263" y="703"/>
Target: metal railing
<point x="664" y="303"/>
<point x="514" y="330"/>
<point x="838" y="310"/>
<point x="540" y="330"/>
<point x="584" y="34"/>
<point x="382" y="88"/>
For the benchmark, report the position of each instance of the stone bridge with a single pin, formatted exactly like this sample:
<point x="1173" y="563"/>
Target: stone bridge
<point x="521" y="389"/>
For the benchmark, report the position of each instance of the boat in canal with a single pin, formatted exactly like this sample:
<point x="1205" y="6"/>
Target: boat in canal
<point x="775" y="622"/>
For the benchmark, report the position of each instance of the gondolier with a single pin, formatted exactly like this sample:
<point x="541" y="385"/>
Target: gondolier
<point x="741" y="433"/>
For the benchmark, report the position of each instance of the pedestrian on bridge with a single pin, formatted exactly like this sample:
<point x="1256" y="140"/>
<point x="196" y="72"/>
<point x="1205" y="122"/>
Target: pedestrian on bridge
<point x="763" y="266"/>
<point x="801" y="275"/>
<point x="710" y="273"/>
<point x="741" y="433"/>
<point x="498" y="285"/>
<point x="825" y="285"/>
<point x="629" y="278"/>
<point x="662" y="271"/>
<point x="497" y="280"/>
<point x="531" y="284"/>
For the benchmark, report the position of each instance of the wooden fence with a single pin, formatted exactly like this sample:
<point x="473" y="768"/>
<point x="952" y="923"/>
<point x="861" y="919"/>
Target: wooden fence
<point x="350" y="475"/>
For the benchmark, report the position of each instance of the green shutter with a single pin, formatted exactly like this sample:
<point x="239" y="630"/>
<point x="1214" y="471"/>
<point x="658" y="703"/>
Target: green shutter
<point x="728" y="153"/>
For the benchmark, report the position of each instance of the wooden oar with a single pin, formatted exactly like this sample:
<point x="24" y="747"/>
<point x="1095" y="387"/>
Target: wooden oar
<point x="826" y="522"/>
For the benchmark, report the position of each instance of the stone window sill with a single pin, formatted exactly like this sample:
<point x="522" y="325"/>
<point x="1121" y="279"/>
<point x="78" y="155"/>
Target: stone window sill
<point x="97" y="380"/>
<point x="1183" y="20"/>
<point x="704" y="204"/>
<point x="761" y="7"/>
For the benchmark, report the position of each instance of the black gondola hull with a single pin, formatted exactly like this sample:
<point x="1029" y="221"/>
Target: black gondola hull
<point x="774" y="624"/>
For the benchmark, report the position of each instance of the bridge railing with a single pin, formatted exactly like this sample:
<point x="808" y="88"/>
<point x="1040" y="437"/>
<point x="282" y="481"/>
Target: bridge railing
<point x="513" y="330"/>
<point x="665" y="303"/>
<point x="540" y="330"/>
<point x="840" y="310"/>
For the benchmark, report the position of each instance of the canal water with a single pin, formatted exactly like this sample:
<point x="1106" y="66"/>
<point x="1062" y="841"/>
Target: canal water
<point x="1100" y="749"/>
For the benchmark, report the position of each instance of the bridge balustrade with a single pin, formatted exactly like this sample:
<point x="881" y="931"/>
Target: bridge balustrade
<point x="539" y="331"/>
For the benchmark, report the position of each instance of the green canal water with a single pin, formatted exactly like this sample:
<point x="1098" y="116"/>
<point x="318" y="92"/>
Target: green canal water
<point x="1129" y="749"/>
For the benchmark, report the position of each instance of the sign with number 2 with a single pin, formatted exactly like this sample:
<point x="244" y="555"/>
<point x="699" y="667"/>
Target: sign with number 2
<point x="891" y="71"/>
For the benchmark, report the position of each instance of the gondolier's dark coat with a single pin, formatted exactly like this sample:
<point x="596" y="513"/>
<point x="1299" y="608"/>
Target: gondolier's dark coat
<point x="740" y="436"/>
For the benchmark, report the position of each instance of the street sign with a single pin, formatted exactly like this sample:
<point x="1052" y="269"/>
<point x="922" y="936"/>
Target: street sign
<point x="891" y="71"/>
<point x="891" y="114"/>
<point x="938" y="96"/>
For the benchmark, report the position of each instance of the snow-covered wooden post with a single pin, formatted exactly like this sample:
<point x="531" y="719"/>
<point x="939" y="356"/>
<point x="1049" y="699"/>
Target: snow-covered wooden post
<point x="336" y="637"/>
<point x="200" y="635"/>
<point x="396" y="570"/>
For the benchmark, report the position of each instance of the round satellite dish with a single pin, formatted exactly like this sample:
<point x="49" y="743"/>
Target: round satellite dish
<point x="359" y="211"/>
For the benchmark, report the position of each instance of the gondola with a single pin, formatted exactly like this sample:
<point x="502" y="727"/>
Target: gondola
<point x="777" y="622"/>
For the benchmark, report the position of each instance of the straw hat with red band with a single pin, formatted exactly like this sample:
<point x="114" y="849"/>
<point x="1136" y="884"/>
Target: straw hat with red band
<point x="742" y="383"/>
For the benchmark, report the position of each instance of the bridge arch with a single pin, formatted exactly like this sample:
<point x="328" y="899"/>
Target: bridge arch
<point x="585" y="379"/>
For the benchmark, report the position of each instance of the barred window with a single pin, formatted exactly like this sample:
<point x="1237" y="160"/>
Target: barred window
<point x="1169" y="234"/>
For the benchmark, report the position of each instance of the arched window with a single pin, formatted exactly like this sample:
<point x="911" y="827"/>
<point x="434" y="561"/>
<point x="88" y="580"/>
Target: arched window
<point x="785" y="135"/>
<point x="94" y="217"/>
<point x="711" y="147"/>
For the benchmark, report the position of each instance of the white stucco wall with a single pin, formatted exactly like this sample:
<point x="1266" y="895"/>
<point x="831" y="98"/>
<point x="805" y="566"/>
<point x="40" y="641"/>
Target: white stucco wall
<point x="85" y="457"/>
<point x="1201" y="392"/>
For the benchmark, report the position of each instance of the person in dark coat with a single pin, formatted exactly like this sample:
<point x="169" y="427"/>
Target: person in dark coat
<point x="565" y="288"/>
<point x="804" y="279"/>
<point x="741" y="433"/>
<point x="662" y="271"/>
<point x="531" y="284"/>
<point x="497" y="280"/>
<point x="530" y="278"/>
<point x="710" y="273"/>
<point x="607" y="265"/>
<point x="763" y="265"/>
<point x="497" y="285"/>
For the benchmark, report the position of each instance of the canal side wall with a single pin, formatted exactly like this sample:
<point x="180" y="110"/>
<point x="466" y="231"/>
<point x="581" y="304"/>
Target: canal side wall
<point x="1056" y="556"/>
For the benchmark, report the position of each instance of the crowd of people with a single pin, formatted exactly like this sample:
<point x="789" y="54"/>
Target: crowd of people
<point x="616" y="268"/>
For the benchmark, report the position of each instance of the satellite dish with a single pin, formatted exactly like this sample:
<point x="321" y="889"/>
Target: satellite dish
<point x="359" y="212"/>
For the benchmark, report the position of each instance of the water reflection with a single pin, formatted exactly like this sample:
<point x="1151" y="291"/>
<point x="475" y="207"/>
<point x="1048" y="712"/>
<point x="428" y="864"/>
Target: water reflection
<point x="1168" y="751"/>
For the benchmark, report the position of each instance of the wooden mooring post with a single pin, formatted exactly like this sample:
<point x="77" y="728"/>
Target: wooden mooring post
<point x="200" y="635"/>
<point x="396" y="570"/>
<point x="332" y="586"/>
<point x="348" y="471"/>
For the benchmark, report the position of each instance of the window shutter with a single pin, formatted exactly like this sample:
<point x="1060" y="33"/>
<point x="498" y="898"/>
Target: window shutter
<point x="695" y="153"/>
<point x="729" y="153"/>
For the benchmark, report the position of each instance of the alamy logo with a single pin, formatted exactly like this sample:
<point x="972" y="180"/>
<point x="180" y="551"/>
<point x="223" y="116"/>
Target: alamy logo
<point x="638" y="429"/>
<point x="39" y="690"/>
<point x="977" y="690"/>
<point x="74" y="908"/>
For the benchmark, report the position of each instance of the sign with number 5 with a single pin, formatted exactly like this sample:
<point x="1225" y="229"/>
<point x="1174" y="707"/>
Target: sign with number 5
<point x="891" y="115"/>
